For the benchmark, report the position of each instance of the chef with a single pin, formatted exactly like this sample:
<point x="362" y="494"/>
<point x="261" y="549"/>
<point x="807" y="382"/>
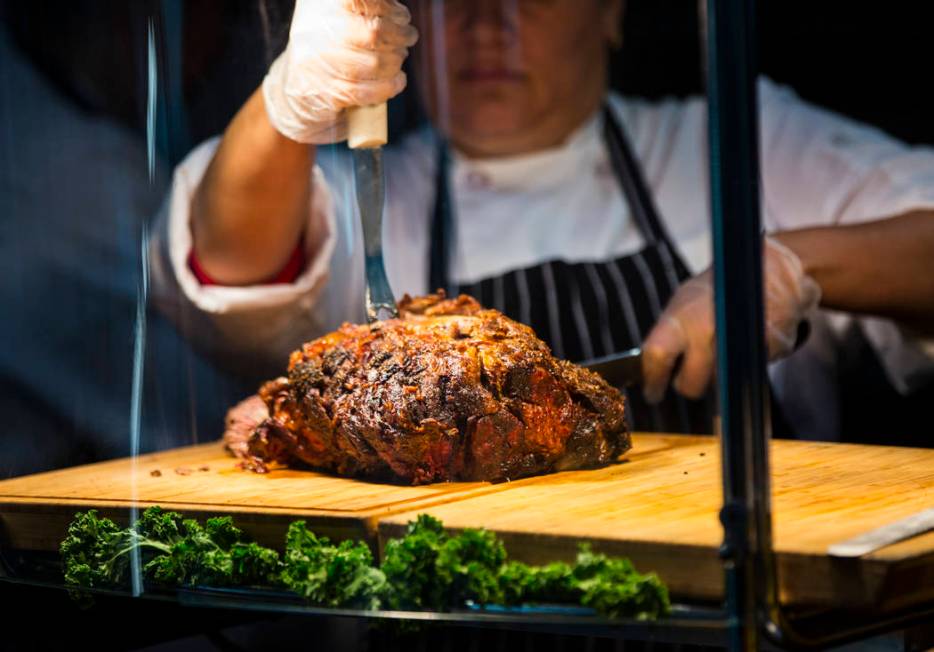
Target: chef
<point x="573" y="209"/>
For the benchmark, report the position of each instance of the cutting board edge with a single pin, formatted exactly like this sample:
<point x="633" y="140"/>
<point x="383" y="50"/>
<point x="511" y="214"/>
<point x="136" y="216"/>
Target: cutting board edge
<point x="41" y="527"/>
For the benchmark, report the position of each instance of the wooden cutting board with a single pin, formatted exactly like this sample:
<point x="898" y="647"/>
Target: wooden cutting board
<point x="660" y="508"/>
<point x="204" y="481"/>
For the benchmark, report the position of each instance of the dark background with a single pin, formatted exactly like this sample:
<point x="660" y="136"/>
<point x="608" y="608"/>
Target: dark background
<point x="869" y="60"/>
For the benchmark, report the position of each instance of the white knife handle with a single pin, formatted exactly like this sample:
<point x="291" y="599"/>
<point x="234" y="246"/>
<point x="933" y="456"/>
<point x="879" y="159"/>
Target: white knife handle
<point x="367" y="126"/>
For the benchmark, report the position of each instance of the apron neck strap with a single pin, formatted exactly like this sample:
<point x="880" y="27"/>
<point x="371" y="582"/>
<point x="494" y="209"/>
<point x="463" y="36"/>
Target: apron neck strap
<point x="625" y="168"/>
<point x="629" y="175"/>
<point x="442" y="226"/>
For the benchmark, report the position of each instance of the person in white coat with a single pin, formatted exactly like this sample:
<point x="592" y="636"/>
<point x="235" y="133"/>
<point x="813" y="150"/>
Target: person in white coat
<point x="573" y="209"/>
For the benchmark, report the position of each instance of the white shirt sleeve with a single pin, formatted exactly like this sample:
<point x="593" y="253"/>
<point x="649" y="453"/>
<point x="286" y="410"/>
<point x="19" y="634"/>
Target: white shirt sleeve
<point x="821" y="169"/>
<point x="320" y="234"/>
<point x="254" y="326"/>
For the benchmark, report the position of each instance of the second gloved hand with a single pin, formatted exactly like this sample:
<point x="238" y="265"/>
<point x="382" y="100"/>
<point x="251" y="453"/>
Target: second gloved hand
<point x="686" y="327"/>
<point x="341" y="54"/>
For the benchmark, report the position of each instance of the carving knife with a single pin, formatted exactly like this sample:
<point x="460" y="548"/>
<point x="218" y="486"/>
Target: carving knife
<point x="367" y="133"/>
<point x="619" y="369"/>
<point x="625" y="368"/>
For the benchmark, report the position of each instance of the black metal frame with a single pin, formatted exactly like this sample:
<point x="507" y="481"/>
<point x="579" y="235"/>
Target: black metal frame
<point x="741" y="357"/>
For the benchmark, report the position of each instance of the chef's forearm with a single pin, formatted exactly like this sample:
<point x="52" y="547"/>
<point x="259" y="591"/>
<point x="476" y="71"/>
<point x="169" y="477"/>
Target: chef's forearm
<point x="884" y="267"/>
<point x="252" y="205"/>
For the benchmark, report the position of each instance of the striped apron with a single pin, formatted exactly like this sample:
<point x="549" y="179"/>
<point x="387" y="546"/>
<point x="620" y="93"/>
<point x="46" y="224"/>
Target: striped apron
<point x="591" y="309"/>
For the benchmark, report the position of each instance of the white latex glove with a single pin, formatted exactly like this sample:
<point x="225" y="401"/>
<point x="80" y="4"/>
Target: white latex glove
<point x="341" y="54"/>
<point x="686" y="327"/>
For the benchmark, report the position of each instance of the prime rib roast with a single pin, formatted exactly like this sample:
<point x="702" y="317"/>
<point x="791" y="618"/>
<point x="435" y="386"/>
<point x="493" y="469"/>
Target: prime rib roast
<point x="448" y="391"/>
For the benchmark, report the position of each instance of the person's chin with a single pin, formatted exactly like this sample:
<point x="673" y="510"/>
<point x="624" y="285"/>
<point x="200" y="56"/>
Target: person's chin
<point x="490" y="116"/>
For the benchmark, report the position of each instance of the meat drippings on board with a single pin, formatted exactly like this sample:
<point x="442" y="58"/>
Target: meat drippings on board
<point x="448" y="391"/>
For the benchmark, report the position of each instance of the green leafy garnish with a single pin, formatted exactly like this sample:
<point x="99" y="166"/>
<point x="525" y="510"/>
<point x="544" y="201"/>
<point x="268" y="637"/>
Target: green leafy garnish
<point x="329" y="575"/>
<point x="428" y="568"/>
<point x="173" y="551"/>
<point x="92" y="551"/>
<point x="213" y="555"/>
<point x="529" y="584"/>
<point x="610" y="585"/>
<point x="615" y="589"/>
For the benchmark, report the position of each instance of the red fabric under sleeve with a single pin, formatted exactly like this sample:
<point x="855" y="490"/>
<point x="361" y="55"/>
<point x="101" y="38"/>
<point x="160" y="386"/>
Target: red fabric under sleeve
<point x="291" y="271"/>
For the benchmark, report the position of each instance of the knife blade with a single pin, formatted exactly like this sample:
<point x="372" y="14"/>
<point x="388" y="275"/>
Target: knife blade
<point x="619" y="369"/>
<point x="367" y="133"/>
<point x="885" y="535"/>
<point x="624" y="369"/>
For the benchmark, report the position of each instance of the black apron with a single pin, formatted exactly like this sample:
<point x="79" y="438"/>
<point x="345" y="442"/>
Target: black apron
<point x="591" y="309"/>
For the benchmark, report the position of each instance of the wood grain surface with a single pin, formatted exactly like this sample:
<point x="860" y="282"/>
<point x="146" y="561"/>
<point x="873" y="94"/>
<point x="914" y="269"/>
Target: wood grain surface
<point x="659" y="506"/>
<point x="203" y="481"/>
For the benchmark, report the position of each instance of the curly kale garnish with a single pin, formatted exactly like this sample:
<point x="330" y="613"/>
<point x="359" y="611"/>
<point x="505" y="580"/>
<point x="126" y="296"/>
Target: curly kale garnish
<point x="329" y="575"/>
<point x="428" y="568"/>
<point x="213" y="555"/>
<point x="611" y="585"/>
<point x="172" y="550"/>
<point x="409" y="566"/>
<point x="95" y="551"/>
<point x="469" y="566"/>
<point x="614" y="588"/>
<point x="522" y="583"/>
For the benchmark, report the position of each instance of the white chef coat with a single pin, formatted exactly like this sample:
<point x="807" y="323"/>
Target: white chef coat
<point x="564" y="203"/>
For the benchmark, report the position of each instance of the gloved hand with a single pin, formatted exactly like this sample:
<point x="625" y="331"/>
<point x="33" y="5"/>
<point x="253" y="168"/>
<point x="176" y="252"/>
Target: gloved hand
<point x="686" y="327"/>
<point x="341" y="53"/>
